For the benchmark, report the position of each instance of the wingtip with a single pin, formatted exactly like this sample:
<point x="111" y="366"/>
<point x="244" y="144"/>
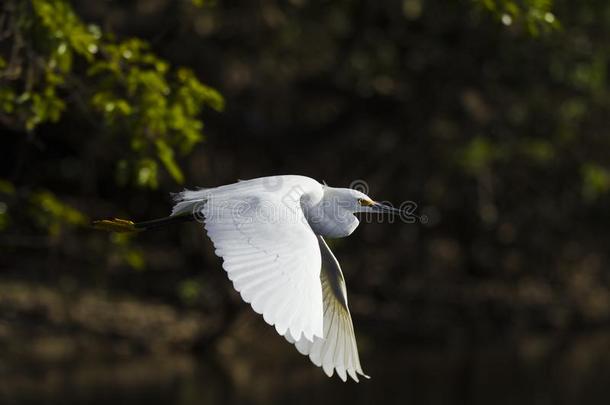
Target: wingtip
<point x="328" y="370"/>
<point x="341" y="372"/>
<point x="354" y="373"/>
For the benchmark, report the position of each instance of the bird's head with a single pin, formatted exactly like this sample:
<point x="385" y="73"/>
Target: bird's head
<point x="356" y="201"/>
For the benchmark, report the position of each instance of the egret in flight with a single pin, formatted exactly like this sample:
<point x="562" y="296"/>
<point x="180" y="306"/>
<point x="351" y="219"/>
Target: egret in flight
<point x="270" y="234"/>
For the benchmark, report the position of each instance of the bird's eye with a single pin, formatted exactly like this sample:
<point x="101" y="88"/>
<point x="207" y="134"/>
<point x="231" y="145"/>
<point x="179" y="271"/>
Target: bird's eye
<point x="365" y="202"/>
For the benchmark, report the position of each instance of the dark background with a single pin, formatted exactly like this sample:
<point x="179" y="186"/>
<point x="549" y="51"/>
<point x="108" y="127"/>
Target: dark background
<point x="497" y="132"/>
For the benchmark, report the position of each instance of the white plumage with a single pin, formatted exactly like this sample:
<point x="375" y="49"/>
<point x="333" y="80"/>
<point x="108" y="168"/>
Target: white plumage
<point x="269" y="232"/>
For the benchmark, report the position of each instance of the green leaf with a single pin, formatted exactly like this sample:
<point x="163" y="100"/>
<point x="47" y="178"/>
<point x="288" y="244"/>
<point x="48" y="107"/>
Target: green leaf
<point x="596" y="181"/>
<point x="147" y="173"/>
<point x="166" y="155"/>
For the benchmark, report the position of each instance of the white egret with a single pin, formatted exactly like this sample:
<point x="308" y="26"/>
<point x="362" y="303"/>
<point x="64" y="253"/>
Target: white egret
<point x="270" y="234"/>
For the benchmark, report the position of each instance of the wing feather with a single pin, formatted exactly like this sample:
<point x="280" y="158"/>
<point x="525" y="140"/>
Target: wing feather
<point x="269" y="253"/>
<point x="337" y="351"/>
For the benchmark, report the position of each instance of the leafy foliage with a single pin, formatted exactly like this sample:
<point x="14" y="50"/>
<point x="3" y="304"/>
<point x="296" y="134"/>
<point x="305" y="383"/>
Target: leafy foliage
<point x="136" y="93"/>
<point x="52" y="214"/>
<point x="52" y="62"/>
<point x="535" y="15"/>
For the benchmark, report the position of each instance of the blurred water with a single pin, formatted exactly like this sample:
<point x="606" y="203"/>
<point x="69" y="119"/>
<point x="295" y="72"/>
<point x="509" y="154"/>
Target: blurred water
<point x="534" y="371"/>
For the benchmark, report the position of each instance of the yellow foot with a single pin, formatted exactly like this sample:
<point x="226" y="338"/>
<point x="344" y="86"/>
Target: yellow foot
<point x="115" y="225"/>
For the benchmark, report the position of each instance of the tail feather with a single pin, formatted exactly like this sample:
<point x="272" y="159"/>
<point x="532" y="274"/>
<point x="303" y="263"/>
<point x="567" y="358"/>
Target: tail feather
<point x="186" y="201"/>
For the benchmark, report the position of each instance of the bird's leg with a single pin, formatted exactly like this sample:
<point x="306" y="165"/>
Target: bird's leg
<point x="125" y="225"/>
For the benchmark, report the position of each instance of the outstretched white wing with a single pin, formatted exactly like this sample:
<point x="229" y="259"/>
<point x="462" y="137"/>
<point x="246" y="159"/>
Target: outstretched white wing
<point x="270" y="253"/>
<point x="337" y="350"/>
